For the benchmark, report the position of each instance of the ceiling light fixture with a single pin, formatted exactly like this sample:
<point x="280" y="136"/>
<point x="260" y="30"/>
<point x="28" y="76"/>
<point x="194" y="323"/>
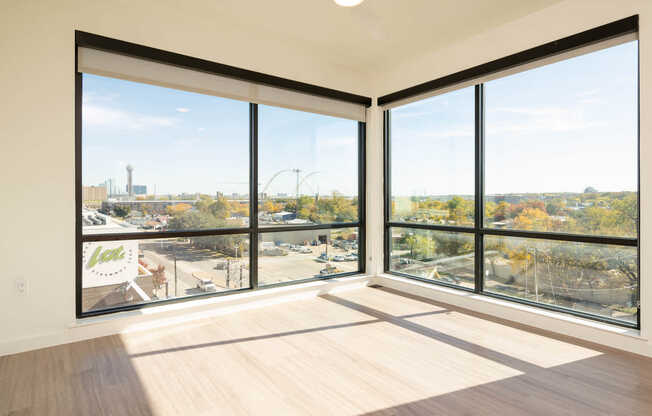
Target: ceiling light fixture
<point x="348" y="3"/>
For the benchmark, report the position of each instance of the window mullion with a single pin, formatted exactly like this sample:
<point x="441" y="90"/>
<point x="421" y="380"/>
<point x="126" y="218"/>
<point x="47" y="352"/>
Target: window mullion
<point x="253" y="195"/>
<point x="479" y="187"/>
<point x="387" y="185"/>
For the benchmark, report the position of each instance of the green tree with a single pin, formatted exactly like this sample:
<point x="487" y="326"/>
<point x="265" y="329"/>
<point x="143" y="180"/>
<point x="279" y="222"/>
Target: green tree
<point x="220" y="208"/>
<point x="121" y="211"/>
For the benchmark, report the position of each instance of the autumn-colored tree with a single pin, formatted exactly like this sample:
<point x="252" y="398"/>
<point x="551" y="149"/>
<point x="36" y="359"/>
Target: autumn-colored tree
<point x="533" y="219"/>
<point x="158" y="276"/>
<point x="178" y="208"/>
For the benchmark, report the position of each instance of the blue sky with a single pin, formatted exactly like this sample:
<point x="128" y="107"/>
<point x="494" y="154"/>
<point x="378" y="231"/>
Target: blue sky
<point x="557" y="128"/>
<point x="179" y="141"/>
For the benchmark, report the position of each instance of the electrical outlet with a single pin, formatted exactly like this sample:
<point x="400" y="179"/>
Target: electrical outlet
<point x="21" y="286"/>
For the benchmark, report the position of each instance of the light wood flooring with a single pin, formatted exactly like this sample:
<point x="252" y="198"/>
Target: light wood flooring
<point x="369" y="351"/>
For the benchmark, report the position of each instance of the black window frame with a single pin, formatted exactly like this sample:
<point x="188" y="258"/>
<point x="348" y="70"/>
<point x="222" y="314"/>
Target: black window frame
<point x="479" y="230"/>
<point x="84" y="39"/>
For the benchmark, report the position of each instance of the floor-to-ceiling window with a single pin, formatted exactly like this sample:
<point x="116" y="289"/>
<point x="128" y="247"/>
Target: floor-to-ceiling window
<point x="524" y="185"/>
<point x="188" y="186"/>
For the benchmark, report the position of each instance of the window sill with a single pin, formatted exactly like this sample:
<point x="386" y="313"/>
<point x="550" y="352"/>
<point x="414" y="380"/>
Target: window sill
<point x="463" y="298"/>
<point x="200" y="308"/>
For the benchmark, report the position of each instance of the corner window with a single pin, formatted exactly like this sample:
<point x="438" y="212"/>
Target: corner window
<point x="185" y="193"/>
<point x="534" y="174"/>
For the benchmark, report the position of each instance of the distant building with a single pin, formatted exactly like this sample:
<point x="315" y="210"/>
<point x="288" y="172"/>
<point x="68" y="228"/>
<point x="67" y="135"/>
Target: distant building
<point x="284" y="216"/>
<point x="111" y="187"/>
<point x="298" y="221"/>
<point x="140" y="189"/>
<point x="130" y="176"/>
<point x="136" y="190"/>
<point x="295" y="237"/>
<point x="94" y="193"/>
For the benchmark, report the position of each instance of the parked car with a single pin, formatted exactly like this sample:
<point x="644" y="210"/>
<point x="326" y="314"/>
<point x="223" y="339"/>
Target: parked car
<point x="323" y="257"/>
<point x="329" y="269"/>
<point x="305" y="250"/>
<point x="351" y="257"/>
<point x="339" y="258"/>
<point x="205" y="285"/>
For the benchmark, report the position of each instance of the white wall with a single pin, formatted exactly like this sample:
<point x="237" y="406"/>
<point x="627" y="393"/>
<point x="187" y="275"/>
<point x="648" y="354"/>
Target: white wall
<point x="554" y="22"/>
<point x="37" y="180"/>
<point x="37" y="124"/>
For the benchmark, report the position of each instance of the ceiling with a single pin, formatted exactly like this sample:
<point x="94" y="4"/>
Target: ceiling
<point x="375" y="32"/>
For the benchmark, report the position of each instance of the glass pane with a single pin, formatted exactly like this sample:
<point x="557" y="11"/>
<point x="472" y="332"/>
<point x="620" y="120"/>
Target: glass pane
<point x="158" y="159"/>
<point x="561" y="146"/>
<point x="593" y="278"/>
<point x="121" y="273"/>
<point x="433" y="163"/>
<point x="441" y="256"/>
<point x="296" y="255"/>
<point x="308" y="168"/>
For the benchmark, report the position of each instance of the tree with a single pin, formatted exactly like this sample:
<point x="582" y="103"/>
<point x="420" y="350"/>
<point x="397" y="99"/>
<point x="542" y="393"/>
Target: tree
<point x="460" y="210"/>
<point x="271" y="207"/>
<point x="449" y="245"/>
<point x="195" y="220"/>
<point x="204" y="203"/>
<point x="158" y="276"/>
<point x="533" y="219"/>
<point x="627" y="210"/>
<point x="556" y="206"/>
<point x="121" y="211"/>
<point x="220" y="208"/>
<point x="178" y="208"/>
<point x="420" y="245"/>
<point x="501" y="211"/>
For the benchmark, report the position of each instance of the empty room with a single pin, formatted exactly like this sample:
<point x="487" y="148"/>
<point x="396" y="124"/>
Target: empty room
<point x="326" y="207"/>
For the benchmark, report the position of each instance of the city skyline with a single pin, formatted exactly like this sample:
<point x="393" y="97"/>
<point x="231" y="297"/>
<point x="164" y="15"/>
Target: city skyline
<point x="210" y="136"/>
<point x="139" y="124"/>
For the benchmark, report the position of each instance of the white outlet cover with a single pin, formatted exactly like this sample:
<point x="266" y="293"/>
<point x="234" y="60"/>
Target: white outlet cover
<point x="21" y="286"/>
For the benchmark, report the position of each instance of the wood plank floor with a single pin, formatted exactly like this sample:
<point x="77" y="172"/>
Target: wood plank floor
<point x="370" y="351"/>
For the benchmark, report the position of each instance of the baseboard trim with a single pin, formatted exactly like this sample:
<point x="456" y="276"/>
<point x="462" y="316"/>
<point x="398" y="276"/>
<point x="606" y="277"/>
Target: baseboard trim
<point x="172" y="314"/>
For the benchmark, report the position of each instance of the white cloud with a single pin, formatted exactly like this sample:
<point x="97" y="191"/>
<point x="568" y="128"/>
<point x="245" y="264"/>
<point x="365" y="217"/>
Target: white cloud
<point x="187" y="141"/>
<point x="336" y="142"/>
<point x="94" y="97"/>
<point x="546" y="119"/>
<point x="455" y="132"/>
<point x="592" y="101"/>
<point x="410" y="114"/>
<point x="543" y="111"/>
<point x="588" y="93"/>
<point x="105" y="116"/>
<point x="183" y="110"/>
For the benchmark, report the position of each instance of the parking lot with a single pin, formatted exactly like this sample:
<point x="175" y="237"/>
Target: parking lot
<point x="291" y="265"/>
<point x="191" y="260"/>
<point x="296" y="265"/>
